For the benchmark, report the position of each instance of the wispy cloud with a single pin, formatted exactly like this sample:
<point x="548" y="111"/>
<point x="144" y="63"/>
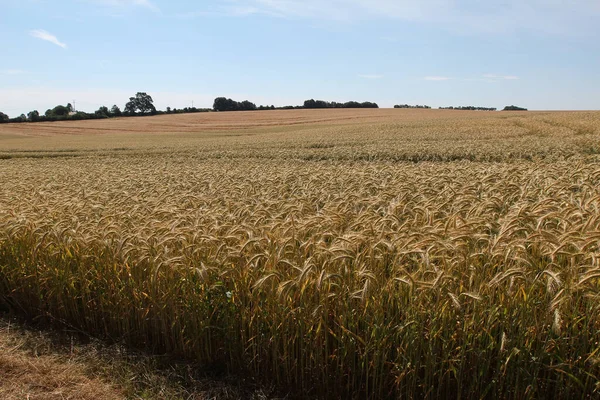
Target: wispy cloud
<point x="44" y="35"/>
<point x="195" y="14"/>
<point x="243" y="10"/>
<point x="11" y="72"/>
<point x="230" y="10"/>
<point x="501" y="77"/>
<point x="147" y="4"/>
<point x="466" y="16"/>
<point x="437" y="78"/>
<point x="370" y="76"/>
<point x="482" y="78"/>
<point x="124" y="3"/>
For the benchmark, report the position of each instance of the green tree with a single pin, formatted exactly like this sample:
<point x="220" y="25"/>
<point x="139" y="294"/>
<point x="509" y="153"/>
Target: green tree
<point x="142" y="102"/>
<point x="102" y="112"/>
<point x="514" y="108"/>
<point x="115" y="111"/>
<point x="225" y="104"/>
<point x="60" y="111"/>
<point x="130" y="108"/>
<point x="20" y="118"/>
<point x="3" y="118"/>
<point x="247" y="105"/>
<point x="33" y="116"/>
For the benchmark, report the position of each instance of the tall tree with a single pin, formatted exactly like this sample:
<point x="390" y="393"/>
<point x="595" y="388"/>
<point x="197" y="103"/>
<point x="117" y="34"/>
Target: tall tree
<point x="247" y="105"/>
<point x="60" y="111"/>
<point x="142" y="102"/>
<point x="115" y="111"/>
<point x="130" y="107"/>
<point x="33" y="116"/>
<point x="102" y="112"/>
<point x="224" y="104"/>
<point x="3" y="118"/>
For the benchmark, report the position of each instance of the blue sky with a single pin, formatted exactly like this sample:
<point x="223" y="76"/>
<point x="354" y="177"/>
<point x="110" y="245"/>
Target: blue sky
<point x="534" y="53"/>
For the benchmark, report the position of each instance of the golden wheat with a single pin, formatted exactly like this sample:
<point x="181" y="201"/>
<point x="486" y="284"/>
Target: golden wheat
<point x="443" y="257"/>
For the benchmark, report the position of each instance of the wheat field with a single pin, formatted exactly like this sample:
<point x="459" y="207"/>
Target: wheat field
<point x="335" y="253"/>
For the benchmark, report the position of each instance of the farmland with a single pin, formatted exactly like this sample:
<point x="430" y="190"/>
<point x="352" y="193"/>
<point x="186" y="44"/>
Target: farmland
<point x="335" y="253"/>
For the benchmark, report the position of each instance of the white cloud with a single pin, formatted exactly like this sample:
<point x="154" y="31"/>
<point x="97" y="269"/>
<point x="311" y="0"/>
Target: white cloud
<point x="370" y="76"/>
<point x="437" y="78"/>
<point x="44" y="35"/>
<point x="463" y="16"/>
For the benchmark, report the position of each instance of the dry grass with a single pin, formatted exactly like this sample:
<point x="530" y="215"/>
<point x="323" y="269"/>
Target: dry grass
<point x="422" y="254"/>
<point x="26" y="374"/>
<point x="63" y="364"/>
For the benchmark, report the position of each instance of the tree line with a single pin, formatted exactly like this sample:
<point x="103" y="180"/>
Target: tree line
<point x="142" y="104"/>
<point x="225" y="104"/>
<point x="313" y="104"/>
<point x="409" y="106"/>
<point x="469" y="108"/>
<point x="473" y="108"/>
<point x="514" y="108"/>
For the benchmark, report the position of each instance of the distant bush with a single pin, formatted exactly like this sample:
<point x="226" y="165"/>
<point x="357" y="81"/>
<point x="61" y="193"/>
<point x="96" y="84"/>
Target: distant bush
<point x="514" y="108"/>
<point x="469" y="108"/>
<point x="19" y="119"/>
<point x="409" y="106"/>
<point x="102" y="112"/>
<point x="4" y="118"/>
<point x="81" y="116"/>
<point x="225" y="104"/>
<point x="33" y="116"/>
<point x="115" y="111"/>
<point x="315" y="104"/>
<point x="186" y="110"/>
<point x="60" y="111"/>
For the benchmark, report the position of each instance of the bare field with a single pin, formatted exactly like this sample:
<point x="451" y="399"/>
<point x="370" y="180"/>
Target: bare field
<point x="409" y="135"/>
<point x="334" y="253"/>
<point x="194" y="123"/>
